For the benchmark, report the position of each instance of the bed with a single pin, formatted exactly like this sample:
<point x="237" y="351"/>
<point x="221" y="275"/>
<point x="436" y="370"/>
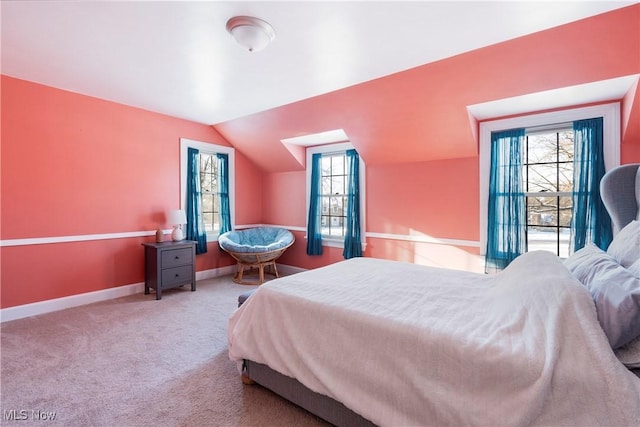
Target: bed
<point x="378" y="342"/>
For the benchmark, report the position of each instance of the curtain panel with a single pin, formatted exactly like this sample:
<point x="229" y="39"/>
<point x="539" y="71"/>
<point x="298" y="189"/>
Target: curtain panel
<point x="223" y="191"/>
<point x="352" y="239"/>
<point x="590" y="221"/>
<point x="195" y="225"/>
<point x="314" y="231"/>
<point x="506" y="234"/>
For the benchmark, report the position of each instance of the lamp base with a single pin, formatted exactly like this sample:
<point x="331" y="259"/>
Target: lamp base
<point x="176" y="234"/>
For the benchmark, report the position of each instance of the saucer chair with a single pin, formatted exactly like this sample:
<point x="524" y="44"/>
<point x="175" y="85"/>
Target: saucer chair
<point x="256" y="248"/>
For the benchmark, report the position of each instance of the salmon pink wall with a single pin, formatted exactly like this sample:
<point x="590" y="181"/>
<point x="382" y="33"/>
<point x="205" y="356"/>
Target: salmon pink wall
<point x="283" y="193"/>
<point x="421" y="114"/>
<point x="420" y="146"/>
<point x="424" y="199"/>
<point x="428" y="198"/>
<point x="73" y="165"/>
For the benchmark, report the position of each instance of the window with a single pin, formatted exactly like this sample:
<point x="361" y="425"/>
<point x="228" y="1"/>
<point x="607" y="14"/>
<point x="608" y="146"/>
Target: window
<point x="548" y="180"/>
<point x="210" y="196"/>
<point x="547" y="173"/>
<point x="334" y="195"/>
<point x="334" y="192"/>
<point x="209" y="182"/>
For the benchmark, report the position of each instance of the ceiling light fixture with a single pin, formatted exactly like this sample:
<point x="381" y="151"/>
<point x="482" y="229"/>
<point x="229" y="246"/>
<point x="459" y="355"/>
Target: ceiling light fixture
<point x="252" y="33"/>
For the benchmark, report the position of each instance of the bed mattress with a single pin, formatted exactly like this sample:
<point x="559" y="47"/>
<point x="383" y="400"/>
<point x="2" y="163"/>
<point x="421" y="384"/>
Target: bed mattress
<point x="402" y="344"/>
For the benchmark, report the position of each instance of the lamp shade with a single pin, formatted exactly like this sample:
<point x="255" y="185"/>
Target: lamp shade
<point x="252" y="33"/>
<point x="176" y="217"/>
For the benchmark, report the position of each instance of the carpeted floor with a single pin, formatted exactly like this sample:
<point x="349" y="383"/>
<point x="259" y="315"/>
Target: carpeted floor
<point x="135" y="361"/>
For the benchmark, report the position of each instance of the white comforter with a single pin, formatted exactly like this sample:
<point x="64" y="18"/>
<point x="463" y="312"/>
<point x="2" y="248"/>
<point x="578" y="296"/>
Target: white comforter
<point x="408" y="345"/>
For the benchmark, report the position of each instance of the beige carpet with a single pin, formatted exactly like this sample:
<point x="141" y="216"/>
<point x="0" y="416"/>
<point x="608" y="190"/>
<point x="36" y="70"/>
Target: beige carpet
<point x="135" y="361"/>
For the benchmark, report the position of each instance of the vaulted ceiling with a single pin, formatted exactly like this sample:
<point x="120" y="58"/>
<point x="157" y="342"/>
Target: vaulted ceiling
<point x="396" y="76"/>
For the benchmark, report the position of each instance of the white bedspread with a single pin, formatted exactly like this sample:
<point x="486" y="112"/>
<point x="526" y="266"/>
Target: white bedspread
<point x="408" y="345"/>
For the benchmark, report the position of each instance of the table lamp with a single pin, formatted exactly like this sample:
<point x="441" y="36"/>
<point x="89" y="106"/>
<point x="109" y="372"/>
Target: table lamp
<point x="177" y="218"/>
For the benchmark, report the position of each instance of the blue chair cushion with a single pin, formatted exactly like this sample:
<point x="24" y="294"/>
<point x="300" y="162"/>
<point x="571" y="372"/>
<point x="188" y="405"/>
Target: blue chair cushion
<point x="254" y="240"/>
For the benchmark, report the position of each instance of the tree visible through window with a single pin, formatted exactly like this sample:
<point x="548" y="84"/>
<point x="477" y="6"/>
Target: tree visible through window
<point x="548" y="176"/>
<point x="209" y="187"/>
<point x="334" y="194"/>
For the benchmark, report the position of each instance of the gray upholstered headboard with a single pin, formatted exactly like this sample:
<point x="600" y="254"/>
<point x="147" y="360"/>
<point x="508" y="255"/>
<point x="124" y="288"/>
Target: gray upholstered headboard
<point x="620" y="192"/>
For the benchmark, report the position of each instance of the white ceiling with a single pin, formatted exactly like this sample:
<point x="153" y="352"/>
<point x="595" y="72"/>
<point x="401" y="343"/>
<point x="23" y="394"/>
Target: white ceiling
<point x="176" y="57"/>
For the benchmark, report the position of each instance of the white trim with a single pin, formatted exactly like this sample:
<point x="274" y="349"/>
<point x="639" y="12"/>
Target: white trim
<point x="611" y="135"/>
<point x="48" y="306"/>
<point x="425" y="239"/>
<point x="77" y="238"/>
<point x="215" y="272"/>
<point x="405" y="237"/>
<point x="288" y="227"/>
<point x="42" y="307"/>
<point x="334" y="148"/>
<point x="207" y="147"/>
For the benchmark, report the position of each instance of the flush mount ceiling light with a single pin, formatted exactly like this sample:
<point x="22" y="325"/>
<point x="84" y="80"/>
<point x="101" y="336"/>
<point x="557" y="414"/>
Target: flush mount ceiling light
<point x="251" y="33"/>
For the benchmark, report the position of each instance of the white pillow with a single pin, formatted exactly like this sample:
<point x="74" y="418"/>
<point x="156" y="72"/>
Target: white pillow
<point x="615" y="292"/>
<point x="630" y="354"/>
<point x="585" y="263"/>
<point x="625" y="247"/>
<point x="635" y="269"/>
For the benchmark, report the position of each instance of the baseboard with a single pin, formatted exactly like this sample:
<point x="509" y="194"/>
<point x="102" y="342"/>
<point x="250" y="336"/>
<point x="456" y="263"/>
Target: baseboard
<point x="215" y="272"/>
<point x="48" y="306"/>
<point x="286" y="270"/>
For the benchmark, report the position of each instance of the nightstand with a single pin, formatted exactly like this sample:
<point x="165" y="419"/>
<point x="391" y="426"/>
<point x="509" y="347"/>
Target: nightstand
<point x="169" y="265"/>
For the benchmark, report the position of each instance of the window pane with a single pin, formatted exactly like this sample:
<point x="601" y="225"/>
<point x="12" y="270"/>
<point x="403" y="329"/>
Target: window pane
<point x="324" y="225"/>
<point x="542" y="239"/>
<point x="205" y="182"/>
<point x="565" y="176"/>
<point x="207" y="202"/>
<point x="206" y="163"/>
<point x="326" y="166"/>
<point x="207" y="217"/>
<point x="326" y="185"/>
<point x="336" y="226"/>
<point x="542" y="211"/>
<point x="542" y="178"/>
<point x="337" y="165"/>
<point x="337" y="185"/>
<point x="325" y="206"/>
<point x="542" y="148"/>
<point x="565" y="146"/>
<point x="337" y="207"/>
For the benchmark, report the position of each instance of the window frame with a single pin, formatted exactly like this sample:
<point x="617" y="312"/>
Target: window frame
<point x="532" y="132"/>
<point x="208" y="148"/>
<point x="610" y="112"/>
<point x="329" y="149"/>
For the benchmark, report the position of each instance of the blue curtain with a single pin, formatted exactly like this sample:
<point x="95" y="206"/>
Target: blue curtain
<point x="352" y="240"/>
<point x="506" y="234"/>
<point x="590" y="221"/>
<point x="195" y="226"/>
<point x="223" y="191"/>
<point x="314" y="231"/>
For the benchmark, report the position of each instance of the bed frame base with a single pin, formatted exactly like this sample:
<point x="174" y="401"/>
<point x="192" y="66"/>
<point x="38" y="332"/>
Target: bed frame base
<point x="318" y="404"/>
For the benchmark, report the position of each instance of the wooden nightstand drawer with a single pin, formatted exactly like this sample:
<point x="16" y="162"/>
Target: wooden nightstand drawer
<point x="177" y="257"/>
<point x="176" y="275"/>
